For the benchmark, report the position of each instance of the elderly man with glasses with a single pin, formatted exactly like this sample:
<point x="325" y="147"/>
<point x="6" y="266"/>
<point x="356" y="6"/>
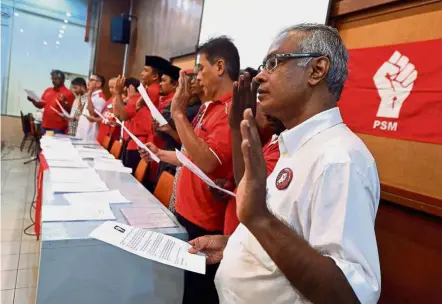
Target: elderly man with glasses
<point x="307" y="230"/>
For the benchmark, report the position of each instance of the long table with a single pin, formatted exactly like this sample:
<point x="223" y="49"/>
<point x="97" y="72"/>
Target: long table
<point x="77" y="269"/>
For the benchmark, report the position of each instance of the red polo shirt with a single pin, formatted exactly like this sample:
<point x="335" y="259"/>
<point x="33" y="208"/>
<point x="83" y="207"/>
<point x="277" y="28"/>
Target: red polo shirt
<point x="105" y="129"/>
<point x="154" y="93"/>
<point x="140" y="123"/>
<point x="271" y="156"/>
<point x="51" y="120"/>
<point x="193" y="198"/>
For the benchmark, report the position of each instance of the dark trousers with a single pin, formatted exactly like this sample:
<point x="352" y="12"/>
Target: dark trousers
<point x="199" y="288"/>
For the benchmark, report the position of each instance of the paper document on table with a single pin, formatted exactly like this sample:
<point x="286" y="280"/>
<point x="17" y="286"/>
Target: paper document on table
<point x="61" y="154"/>
<point x="87" y="186"/>
<point x="67" y="164"/>
<point x="110" y="197"/>
<point x="65" y="113"/>
<point x="95" y="154"/>
<point x="197" y="171"/>
<point x="101" y="165"/>
<point x="150" y="245"/>
<point x="32" y="95"/>
<point x="56" y="111"/>
<point x="138" y="142"/>
<point x="149" y="218"/>
<point x="153" y="109"/>
<point x="74" y="175"/>
<point x="62" y="213"/>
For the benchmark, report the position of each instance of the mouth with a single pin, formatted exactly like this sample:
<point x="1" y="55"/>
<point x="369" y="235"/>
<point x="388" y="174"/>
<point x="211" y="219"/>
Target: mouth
<point x="262" y="93"/>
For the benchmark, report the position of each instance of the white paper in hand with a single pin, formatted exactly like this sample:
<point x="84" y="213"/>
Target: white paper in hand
<point x="65" y="113"/>
<point x="153" y="109"/>
<point x="32" y="95"/>
<point x="150" y="245"/>
<point x="197" y="171"/>
<point x="138" y="142"/>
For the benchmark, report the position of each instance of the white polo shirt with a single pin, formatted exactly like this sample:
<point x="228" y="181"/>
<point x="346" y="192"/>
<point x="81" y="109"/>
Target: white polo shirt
<point x="87" y="130"/>
<point x="331" y="202"/>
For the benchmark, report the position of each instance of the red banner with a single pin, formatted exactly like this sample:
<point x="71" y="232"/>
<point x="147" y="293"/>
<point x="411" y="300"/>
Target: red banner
<point x="395" y="91"/>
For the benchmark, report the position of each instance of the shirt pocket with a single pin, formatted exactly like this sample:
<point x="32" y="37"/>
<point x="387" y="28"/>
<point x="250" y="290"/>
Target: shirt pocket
<point x="255" y="249"/>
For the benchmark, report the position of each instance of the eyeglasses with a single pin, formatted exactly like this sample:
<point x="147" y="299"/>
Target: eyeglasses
<point x="93" y="79"/>
<point x="273" y="61"/>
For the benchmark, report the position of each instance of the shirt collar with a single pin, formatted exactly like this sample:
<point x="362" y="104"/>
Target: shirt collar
<point x="167" y="97"/>
<point x="291" y="140"/>
<point x="225" y="98"/>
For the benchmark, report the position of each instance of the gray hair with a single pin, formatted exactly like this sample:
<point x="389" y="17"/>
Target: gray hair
<point x="325" y="40"/>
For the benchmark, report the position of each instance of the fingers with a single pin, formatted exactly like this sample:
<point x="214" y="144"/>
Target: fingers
<point x="235" y="95"/>
<point x="251" y="145"/>
<point x="410" y="79"/>
<point x="253" y="97"/>
<point x="198" y="244"/>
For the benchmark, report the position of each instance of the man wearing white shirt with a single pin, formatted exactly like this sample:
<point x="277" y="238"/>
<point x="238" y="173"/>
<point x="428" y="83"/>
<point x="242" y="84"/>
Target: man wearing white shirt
<point x="307" y="231"/>
<point x="88" y="122"/>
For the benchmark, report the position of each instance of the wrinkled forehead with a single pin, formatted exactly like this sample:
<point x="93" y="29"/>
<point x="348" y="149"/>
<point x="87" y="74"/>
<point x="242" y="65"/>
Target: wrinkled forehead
<point x="285" y="43"/>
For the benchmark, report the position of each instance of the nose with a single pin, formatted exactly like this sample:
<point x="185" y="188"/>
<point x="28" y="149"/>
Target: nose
<point x="261" y="77"/>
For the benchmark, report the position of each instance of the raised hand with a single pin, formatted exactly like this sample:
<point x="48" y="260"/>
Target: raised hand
<point x="394" y="81"/>
<point x="244" y="96"/>
<point x="251" y="193"/>
<point x="120" y="84"/>
<point x="31" y="100"/>
<point x="131" y="91"/>
<point x="211" y="245"/>
<point x="182" y="95"/>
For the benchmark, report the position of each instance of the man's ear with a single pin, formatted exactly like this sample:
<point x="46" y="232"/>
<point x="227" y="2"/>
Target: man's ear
<point x="320" y="67"/>
<point x="221" y="67"/>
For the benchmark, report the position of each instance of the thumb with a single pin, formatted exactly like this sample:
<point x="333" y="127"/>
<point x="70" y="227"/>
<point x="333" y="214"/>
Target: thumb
<point x="198" y="245"/>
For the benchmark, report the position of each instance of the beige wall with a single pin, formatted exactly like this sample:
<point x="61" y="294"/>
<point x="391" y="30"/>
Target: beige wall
<point x="11" y="130"/>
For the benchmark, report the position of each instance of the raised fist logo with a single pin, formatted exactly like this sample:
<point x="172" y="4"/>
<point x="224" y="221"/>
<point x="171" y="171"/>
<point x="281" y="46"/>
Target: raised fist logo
<point x="394" y="81"/>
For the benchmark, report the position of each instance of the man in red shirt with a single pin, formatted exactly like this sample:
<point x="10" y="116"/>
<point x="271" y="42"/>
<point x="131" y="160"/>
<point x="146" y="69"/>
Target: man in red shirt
<point x="137" y="118"/>
<point x="151" y="76"/>
<point x="53" y="121"/>
<point x="207" y="143"/>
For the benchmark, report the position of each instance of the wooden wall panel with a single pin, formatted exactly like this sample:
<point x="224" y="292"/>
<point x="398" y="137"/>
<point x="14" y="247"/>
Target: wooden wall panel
<point x="187" y="62"/>
<point x="164" y="28"/>
<point x="109" y="56"/>
<point x="343" y="7"/>
<point x="410" y="246"/>
<point x="412" y="166"/>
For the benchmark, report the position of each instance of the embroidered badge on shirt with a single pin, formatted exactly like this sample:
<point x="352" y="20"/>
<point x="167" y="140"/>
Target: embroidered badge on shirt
<point x="284" y="178"/>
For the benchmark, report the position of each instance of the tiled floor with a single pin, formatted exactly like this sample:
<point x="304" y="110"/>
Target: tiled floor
<point x="19" y="252"/>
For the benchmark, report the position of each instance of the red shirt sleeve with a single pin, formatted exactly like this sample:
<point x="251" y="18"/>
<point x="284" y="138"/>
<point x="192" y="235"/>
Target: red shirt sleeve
<point x="219" y="139"/>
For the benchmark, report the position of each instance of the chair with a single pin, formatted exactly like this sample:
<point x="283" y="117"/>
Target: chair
<point x="106" y="142"/>
<point x="164" y="188"/>
<point x="27" y="123"/>
<point x="26" y="128"/>
<point x="140" y="172"/>
<point x="116" y="149"/>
